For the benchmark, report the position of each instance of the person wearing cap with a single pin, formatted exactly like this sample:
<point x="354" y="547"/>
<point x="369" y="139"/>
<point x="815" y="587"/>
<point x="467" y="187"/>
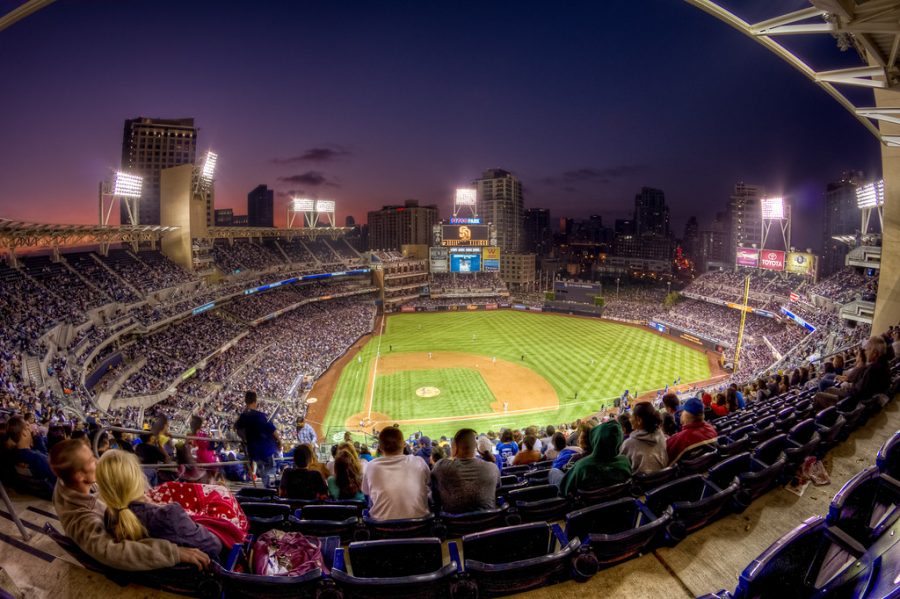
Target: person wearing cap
<point x="306" y="433"/>
<point x="695" y="431"/>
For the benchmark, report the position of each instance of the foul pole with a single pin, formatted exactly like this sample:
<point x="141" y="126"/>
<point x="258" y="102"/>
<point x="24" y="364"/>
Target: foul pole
<point x="737" y="349"/>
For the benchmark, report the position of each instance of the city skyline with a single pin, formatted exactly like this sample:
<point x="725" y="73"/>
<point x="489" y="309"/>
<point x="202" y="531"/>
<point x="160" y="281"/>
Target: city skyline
<point x="580" y="120"/>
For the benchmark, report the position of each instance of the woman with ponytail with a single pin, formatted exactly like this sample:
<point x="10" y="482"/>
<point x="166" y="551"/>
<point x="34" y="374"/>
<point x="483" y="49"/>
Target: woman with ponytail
<point x="130" y="514"/>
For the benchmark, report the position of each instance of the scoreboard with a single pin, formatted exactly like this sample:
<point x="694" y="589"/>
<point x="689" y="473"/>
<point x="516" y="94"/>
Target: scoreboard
<point x="464" y="245"/>
<point x="465" y="235"/>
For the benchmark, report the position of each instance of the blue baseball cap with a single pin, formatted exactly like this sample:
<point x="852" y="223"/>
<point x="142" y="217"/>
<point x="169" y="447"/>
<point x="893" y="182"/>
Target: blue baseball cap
<point x="693" y="406"/>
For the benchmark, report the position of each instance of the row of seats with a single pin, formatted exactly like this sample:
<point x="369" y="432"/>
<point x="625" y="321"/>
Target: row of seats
<point x="853" y="551"/>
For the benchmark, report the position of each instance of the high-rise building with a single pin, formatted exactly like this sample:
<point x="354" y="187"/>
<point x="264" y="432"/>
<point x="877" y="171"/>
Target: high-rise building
<point x="500" y="202"/>
<point x="538" y="236"/>
<point x="148" y="147"/>
<point x="261" y="207"/>
<point x="842" y="217"/>
<point x="349" y="221"/>
<point x="691" y="240"/>
<point x="395" y="226"/>
<point x="624" y="226"/>
<point x="744" y="218"/>
<point x="712" y="252"/>
<point x="224" y="217"/>
<point x="651" y="215"/>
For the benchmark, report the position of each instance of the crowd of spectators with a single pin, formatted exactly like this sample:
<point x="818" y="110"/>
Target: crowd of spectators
<point x="457" y="283"/>
<point x="845" y="285"/>
<point x="160" y="274"/>
<point x="244" y="255"/>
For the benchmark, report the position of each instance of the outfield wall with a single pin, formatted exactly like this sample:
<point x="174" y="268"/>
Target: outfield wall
<point x="695" y="338"/>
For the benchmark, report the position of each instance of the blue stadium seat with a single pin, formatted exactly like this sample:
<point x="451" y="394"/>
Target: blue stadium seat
<point x="395" y="529"/>
<point x="694" y="500"/>
<point x="457" y="525"/>
<point x="617" y="530"/>
<point x="888" y="458"/>
<point x="852" y="410"/>
<point x="264" y="516"/>
<point x="536" y="477"/>
<point x="542" y="465"/>
<point x="729" y="446"/>
<point x="517" y="471"/>
<point x="585" y="497"/>
<point x="182" y="579"/>
<point x="518" y="558"/>
<point x="866" y="506"/>
<point x="254" y="494"/>
<point x="881" y="569"/>
<point x="641" y="483"/>
<point x="829" y="424"/>
<point x="804" y="409"/>
<point x="754" y="477"/>
<point x="785" y="419"/>
<point x="808" y="561"/>
<point x="400" y="568"/>
<point x="698" y="460"/>
<point x="538" y="504"/>
<point x="802" y="440"/>
<point x="323" y="520"/>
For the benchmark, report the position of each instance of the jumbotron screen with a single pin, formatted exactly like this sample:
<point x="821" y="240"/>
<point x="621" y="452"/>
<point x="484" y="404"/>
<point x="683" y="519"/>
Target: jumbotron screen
<point x="465" y="235"/>
<point x="464" y="263"/>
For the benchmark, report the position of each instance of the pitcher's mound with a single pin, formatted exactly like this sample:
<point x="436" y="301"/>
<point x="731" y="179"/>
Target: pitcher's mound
<point x="428" y="391"/>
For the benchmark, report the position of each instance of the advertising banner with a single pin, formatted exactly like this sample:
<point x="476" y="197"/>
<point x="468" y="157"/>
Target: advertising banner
<point x="747" y="257"/>
<point x="439" y="259"/>
<point x="800" y="263"/>
<point x="465" y="235"/>
<point x="771" y="259"/>
<point x="491" y="253"/>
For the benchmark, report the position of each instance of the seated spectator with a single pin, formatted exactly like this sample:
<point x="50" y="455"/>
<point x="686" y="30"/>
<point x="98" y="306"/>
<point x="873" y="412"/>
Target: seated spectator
<point x="82" y="516"/>
<point x="485" y="451"/>
<point x="625" y="422"/>
<point x="437" y="454"/>
<point x="424" y="450"/>
<point x="506" y="448"/>
<point x="302" y="481"/>
<point x="462" y="483"/>
<point x="131" y="516"/>
<point x="872" y="379"/>
<point x="719" y="407"/>
<point x="673" y="408"/>
<point x="828" y="378"/>
<point x="555" y="446"/>
<point x="604" y="466"/>
<point x="364" y="453"/>
<point x="347" y="480"/>
<point x="396" y="484"/>
<point x="695" y="431"/>
<point x="529" y="455"/>
<point x="31" y="468"/>
<point x="646" y="446"/>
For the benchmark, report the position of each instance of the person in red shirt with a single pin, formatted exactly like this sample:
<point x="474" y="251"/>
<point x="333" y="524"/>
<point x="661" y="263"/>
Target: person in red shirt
<point x="695" y="431"/>
<point x="720" y="407"/>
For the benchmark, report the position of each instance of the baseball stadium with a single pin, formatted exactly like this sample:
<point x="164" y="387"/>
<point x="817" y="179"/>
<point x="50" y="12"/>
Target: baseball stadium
<point x="453" y="400"/>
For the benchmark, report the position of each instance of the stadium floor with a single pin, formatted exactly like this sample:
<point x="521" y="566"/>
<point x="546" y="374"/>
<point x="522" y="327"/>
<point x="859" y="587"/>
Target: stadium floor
<point x="706" y="561"/>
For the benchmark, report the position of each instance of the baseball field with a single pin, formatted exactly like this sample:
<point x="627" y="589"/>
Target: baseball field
<point x="487" y="370"/>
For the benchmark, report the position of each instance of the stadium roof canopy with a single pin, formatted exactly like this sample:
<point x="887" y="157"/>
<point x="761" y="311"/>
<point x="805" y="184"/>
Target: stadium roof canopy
<point x="305" y="232"/>
<point x="16" y="234"/>
<point x="871" y="27"/>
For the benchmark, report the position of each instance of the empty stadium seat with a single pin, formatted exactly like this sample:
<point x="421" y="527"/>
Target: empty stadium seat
<point x="517" y="471"/>
<point x="585" y="497"/>
<point x="517" y="558"/>
<point x="254" y="494"/>
<point x="880" y="569"/>
<point x="754" y="476"/>
<point x="785" y="419"/>
<point x="729" y="446"/>
<point x="536" y="477"/>
<point x="616" y="530"/>
<point x="641" y="483"/>
<point x="400" y="568"/>
<point x="808" y="561"/>
<point x="538" y="504"/>
<point x="697" y="460"/>
<point x="324" y="520"/>
<point x="888" y="458"/>
<point x="404" y="528"/>
<point x="802" y="440"/>
<point x="852" y="410"/>
<point x="694" y="501"/>
<point x="264" y="516"/>
<point x="457" y="525"/>
<point x="866" y="506"/>
<point x="829" y="424"/>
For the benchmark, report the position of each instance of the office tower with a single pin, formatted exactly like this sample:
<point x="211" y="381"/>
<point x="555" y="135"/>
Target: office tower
<point x="651" y="215"/>
<point x="842" y="217"/>
<point x="500" y="202"/>
<point x="691" y="240"/>
<point x="148" y="147"/>
<point x="538" y="237"/>
<point x="395" y="226"/>
<point x="224" y="217"/>
<point x="744" y="218"/>
<point x="261" y="207"/>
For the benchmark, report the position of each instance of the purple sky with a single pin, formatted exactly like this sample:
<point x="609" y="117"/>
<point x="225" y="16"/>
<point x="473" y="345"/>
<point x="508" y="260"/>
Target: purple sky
<point x="373" y="103"/>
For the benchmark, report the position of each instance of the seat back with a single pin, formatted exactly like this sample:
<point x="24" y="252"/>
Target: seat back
<point x="259" y="509"/>
<point x="724" y="473"/>
<point x="768" y="451"/>
<point x="534" y="493"/>
<point x="602" y="494"/>
<point x="803" y="431"/>
<point x="405" y="528"/>
<point x="729" y="446"/>
<point x="644" y="482"/>
<point x="867" y="505"/>
<point x="510" y="544"/>
<point x="391" y="558"/>
<point x="537" y="477"/>
<point x="516" y="471"/>
<point x="888" y="458"/>
<point x="683" y="490"/>
<point x="328" y="512"/>
<point x="254" y="493"/>
<point x="508" y="479"/>
<point x="608" y="518"/>
<point x="697" y="460"/>
<point x="461" y="524"/>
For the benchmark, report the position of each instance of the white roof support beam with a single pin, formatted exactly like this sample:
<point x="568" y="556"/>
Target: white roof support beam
<point x="856" y="76"/>
<point x="22" y="11"/>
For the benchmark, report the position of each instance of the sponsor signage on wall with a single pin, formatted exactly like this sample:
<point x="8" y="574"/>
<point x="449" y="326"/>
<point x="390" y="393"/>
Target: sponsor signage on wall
<point x="801" y="263"/>
<point x="747" y="257"/>
<point x="771" y="259"/>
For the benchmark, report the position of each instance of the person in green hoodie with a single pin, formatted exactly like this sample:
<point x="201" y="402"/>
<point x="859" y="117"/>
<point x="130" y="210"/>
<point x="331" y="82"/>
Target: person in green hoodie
<point x="605" y="466"/>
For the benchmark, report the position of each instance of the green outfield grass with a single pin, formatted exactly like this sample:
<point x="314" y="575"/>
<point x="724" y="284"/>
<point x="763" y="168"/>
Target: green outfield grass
<point x="598" y="359"/>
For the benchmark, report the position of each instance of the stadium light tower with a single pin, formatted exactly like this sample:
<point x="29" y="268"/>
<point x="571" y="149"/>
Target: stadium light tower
<point x="125" y="188"/>
<point x="303" y="206"/>
<point x="205" y="174"/>
<point x="465" y="201"/>
<point x="868" y="198"/>
<point x="325" y="207"/>
<point x="774" y="211"/>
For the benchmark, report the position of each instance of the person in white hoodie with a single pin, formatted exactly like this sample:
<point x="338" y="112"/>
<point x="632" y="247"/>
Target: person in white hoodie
<point x="645" y="447"/>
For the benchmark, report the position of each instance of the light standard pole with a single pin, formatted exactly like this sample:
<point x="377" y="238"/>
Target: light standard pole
<point x="617" y="288"/>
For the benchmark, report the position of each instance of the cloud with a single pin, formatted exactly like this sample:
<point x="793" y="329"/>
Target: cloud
<point x="319" y="155"/>
<point x="309" y="179"/>
<point x="603" y="175"/>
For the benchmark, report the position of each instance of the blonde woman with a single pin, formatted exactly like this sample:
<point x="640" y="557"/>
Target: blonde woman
<point x="132" y="516"/>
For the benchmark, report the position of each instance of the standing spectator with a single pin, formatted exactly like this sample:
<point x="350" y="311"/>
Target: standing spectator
<point x="462" y="483"/>
<point x="205" y="454"/>
<point x="507" y="448"/>
<point x="396" y="484"/>
<point x="306" y="433"/>
<point x="529" y="455"/>
<point x="695" y="431"/>
<point x="301" y="481"/>
<point x="646" y="446"/>
<point x="604" y="466"/>
<point x="261" y="437"/>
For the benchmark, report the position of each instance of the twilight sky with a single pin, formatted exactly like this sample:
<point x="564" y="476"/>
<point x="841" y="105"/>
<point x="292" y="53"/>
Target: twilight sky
<point x="372" y="103"/>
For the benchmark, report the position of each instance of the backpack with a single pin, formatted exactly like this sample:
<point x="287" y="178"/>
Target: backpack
<point x="279" y="553"/>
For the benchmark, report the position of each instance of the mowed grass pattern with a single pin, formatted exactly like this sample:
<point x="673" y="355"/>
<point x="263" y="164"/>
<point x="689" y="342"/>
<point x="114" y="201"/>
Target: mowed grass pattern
<point x="463" y="391"/>
<point x="598" y="359"/>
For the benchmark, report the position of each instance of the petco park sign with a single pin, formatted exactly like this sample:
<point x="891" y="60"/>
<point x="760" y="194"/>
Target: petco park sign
<point x="771" y="259"/>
